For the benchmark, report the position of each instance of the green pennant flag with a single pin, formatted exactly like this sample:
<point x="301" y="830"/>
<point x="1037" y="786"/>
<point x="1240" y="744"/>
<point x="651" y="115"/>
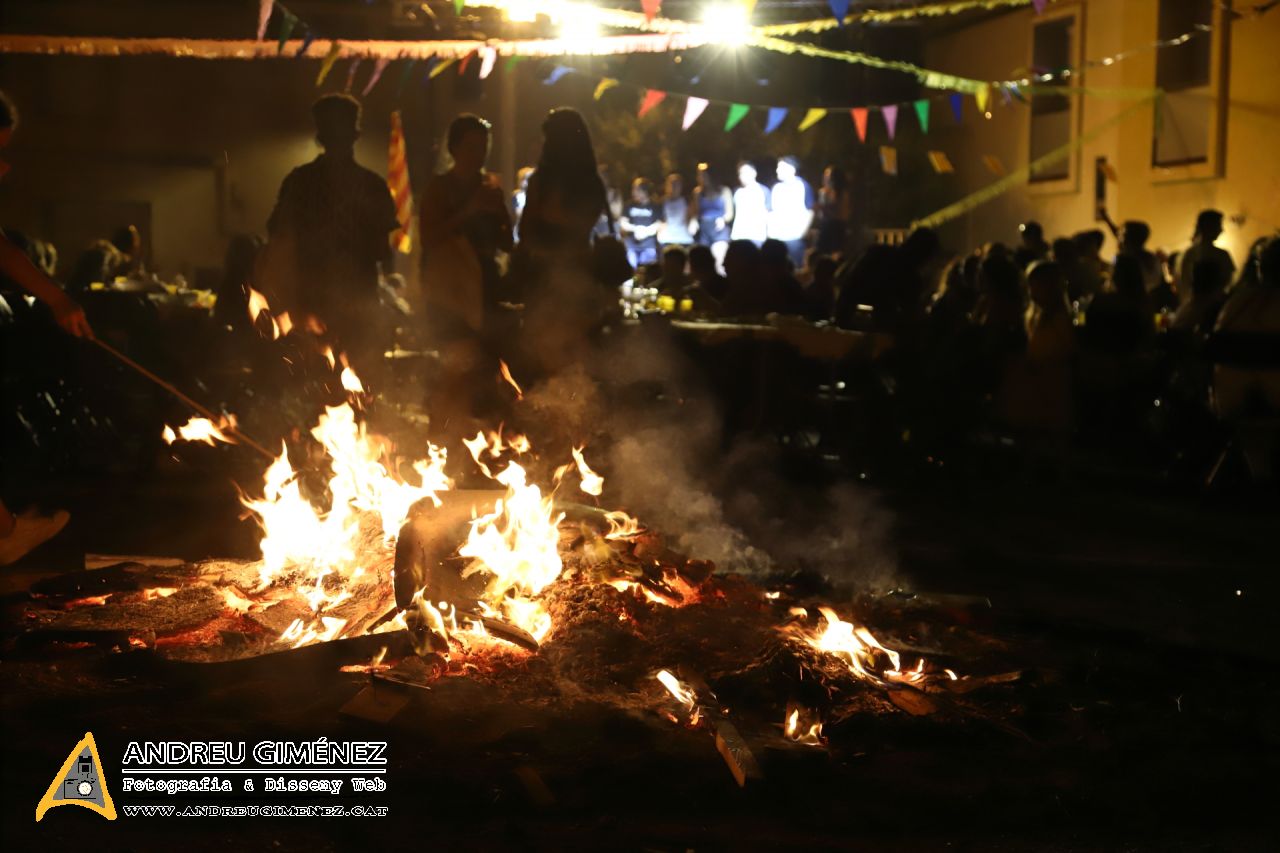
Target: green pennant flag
<point x="922" y="112"/>
<point x="404" y="77"/>
<point x="512" y="61"/>
<point x="457" y="6"/>
<point x="737" y="112"/>
<point x="287" y="22"/>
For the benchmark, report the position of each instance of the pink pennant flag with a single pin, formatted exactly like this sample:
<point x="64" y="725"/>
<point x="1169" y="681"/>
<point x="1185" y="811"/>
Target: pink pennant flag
<point x="860" y="122"/>
<point x="652" y="97"/>
<point x="692" y="109"/>
<point x="378" y="68"/>
<point x="650" y="8"/>
<point x="1039" y="4"/>
<point x="890" y="113"/>
<point x="351" y="74"/>
<point x="264" y="15"/>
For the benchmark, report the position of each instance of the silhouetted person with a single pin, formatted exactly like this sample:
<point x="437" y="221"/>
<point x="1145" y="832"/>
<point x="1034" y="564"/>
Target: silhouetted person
<point x="833" y="212"/>
<point x="1132" y="237"/>
<point x="464" y="225"/>
<point x="673" y="280"/>
<point x="780" y="292"/>
<point x="1203" y="250"/>
<point x="743" y="295"/>
<point x="332" y="224"/>
<point x="1032" y="247"/>
<point x="1094" y="268"/>
<point x="820" y="294"/>
<point x="567" y="196"/>
<point x="707" y="288"/>
<point x="232" y="308"/>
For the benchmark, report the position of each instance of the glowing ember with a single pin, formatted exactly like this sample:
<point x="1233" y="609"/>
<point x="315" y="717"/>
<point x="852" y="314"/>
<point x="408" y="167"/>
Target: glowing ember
<point x="853" y="644"/>
<point x="677" y="689"/>
<point x="202" y="430"/>
<point x="801" y="729"/>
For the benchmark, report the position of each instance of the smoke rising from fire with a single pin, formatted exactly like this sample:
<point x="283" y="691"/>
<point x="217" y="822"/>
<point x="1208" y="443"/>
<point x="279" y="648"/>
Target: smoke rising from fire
<point x="637" y="402"/>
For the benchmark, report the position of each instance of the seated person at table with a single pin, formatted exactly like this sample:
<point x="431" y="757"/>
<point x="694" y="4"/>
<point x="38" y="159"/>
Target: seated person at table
<point x="673" y="280"/>
<point x="707" y="287"/>
<point x="820" y="295"/>
<point x="784" y="292"/>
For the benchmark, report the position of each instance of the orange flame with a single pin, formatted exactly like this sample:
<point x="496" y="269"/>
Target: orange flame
<point x="202" y="430"/>
<point x="506" y="374"/>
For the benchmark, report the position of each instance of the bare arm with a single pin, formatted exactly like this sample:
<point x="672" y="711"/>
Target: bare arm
<point x="16" y="265"/>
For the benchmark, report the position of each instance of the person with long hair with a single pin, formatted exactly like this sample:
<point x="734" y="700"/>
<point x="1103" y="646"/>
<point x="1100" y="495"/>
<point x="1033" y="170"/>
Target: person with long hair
<point x="566" y="196"/>
<point x="675" y="214"/>
<point x="712" y="213"/>
<point x="554" y="264"/>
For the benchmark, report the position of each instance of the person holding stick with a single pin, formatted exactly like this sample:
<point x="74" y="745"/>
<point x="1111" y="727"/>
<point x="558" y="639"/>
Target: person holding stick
<point x="21" y="534"/>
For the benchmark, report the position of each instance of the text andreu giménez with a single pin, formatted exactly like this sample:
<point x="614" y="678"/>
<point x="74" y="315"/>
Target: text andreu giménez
<point x="267" y="753"/>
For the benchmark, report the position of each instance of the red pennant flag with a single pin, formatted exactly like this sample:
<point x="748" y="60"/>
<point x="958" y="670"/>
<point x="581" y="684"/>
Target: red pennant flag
<point x="860" y="121"/>
<point x="466" y="60"/>
<point x="651" y="8"/>
<point x="652" y="97"/>
<point x="398" y="181"/>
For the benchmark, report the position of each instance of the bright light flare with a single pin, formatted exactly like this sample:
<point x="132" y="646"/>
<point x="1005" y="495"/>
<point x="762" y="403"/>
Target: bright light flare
<point x="677" y="688"/>
<point x="202" y="430"/>
<point x="727" y="23"/>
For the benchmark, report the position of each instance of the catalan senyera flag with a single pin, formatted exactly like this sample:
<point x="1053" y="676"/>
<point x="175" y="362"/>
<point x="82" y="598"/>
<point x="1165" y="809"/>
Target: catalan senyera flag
<point x="398" y="181"/>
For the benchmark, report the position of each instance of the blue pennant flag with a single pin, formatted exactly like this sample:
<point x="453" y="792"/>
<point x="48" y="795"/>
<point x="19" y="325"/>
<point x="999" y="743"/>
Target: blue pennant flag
<point x="957" y="106"/>
<point x="555" y="75"/>
<point x="307" y="38"/>
<point x="776" y="115"/>
<point x="839" y="8"/>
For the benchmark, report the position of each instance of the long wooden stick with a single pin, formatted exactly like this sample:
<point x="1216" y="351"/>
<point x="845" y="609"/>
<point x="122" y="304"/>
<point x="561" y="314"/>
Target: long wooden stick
<point x="184" y="398"/>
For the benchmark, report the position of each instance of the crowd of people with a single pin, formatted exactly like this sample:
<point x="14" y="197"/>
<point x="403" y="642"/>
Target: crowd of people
<point x="1042" y="338"/>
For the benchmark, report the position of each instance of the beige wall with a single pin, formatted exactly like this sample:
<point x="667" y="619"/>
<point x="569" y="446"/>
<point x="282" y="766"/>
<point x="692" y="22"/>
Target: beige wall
<point x="1247" y="188"/>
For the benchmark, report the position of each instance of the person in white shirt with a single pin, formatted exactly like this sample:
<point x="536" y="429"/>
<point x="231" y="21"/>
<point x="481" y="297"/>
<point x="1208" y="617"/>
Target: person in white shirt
<point x="750" y="207"/>
<point x="791" y="213"/>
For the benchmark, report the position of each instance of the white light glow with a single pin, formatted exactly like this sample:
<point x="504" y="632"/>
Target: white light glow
<point x="579" y="29"/>
<point x="727" y="23"/>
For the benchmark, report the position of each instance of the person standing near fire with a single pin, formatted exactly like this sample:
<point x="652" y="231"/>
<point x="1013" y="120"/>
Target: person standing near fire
<point x="464" y="225"/>
<point x="329" y="233"/>
<point x="21" y="534"/>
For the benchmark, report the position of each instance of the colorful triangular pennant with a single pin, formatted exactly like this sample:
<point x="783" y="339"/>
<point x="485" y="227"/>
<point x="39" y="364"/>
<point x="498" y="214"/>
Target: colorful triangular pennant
<point x="812" y="117"/>
<point x="439" y="67"/>
<point x="859" y="115"/>
<point x="488" y="58"/>
<point x="335" y="47"/>
<point x="512" y="61"/>
<point x="378" y="68"/>
<point x="776" y="116"/>
<point x="307" y="38"/>
<point x="692" y="109"/>
<point x="652" y="97"/>
<point x="404" y="77"/>
<point x="464" y="62"/>
<point x="351" y="74"/>
<point x="889" y="159"/>
<point x="264" y="15"/>
<point x="957" y="107"/>
<point x="737" y="112"/>
<point x="890" y="113"/>
<point x="940" y="162"/>
<point x="650" y="8"/>
<point x="556" y="73"/>
<point x="288" y="21"/>
<point x="922" y="113"/>
<point x="994" y="165"/>
<point x="983" y="98"/>
<point x="605" y="84"/>
<point x="839" y="8"/>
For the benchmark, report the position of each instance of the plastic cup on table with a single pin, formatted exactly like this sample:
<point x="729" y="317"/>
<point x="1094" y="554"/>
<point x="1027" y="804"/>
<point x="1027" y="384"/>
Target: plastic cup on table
<point x="666" y="304"/>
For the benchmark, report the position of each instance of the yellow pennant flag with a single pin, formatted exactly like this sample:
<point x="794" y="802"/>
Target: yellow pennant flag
<point x="940" y="162"/>
<point x="993" y="164"/>
<point x="335" y="47"/>
<point x="982" y="96"/>
<point x="812" y="117"/>
<point x="889" y="159"/>
<point x="440" y="67"/>
<point x="605" y="84"/>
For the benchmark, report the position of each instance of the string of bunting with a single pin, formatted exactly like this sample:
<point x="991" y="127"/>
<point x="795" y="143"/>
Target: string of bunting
<point x="1022" y="175"/>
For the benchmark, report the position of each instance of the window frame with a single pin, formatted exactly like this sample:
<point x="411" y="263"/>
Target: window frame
<point x="1071" y="181"/>
<point x="1212" y="165"/>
